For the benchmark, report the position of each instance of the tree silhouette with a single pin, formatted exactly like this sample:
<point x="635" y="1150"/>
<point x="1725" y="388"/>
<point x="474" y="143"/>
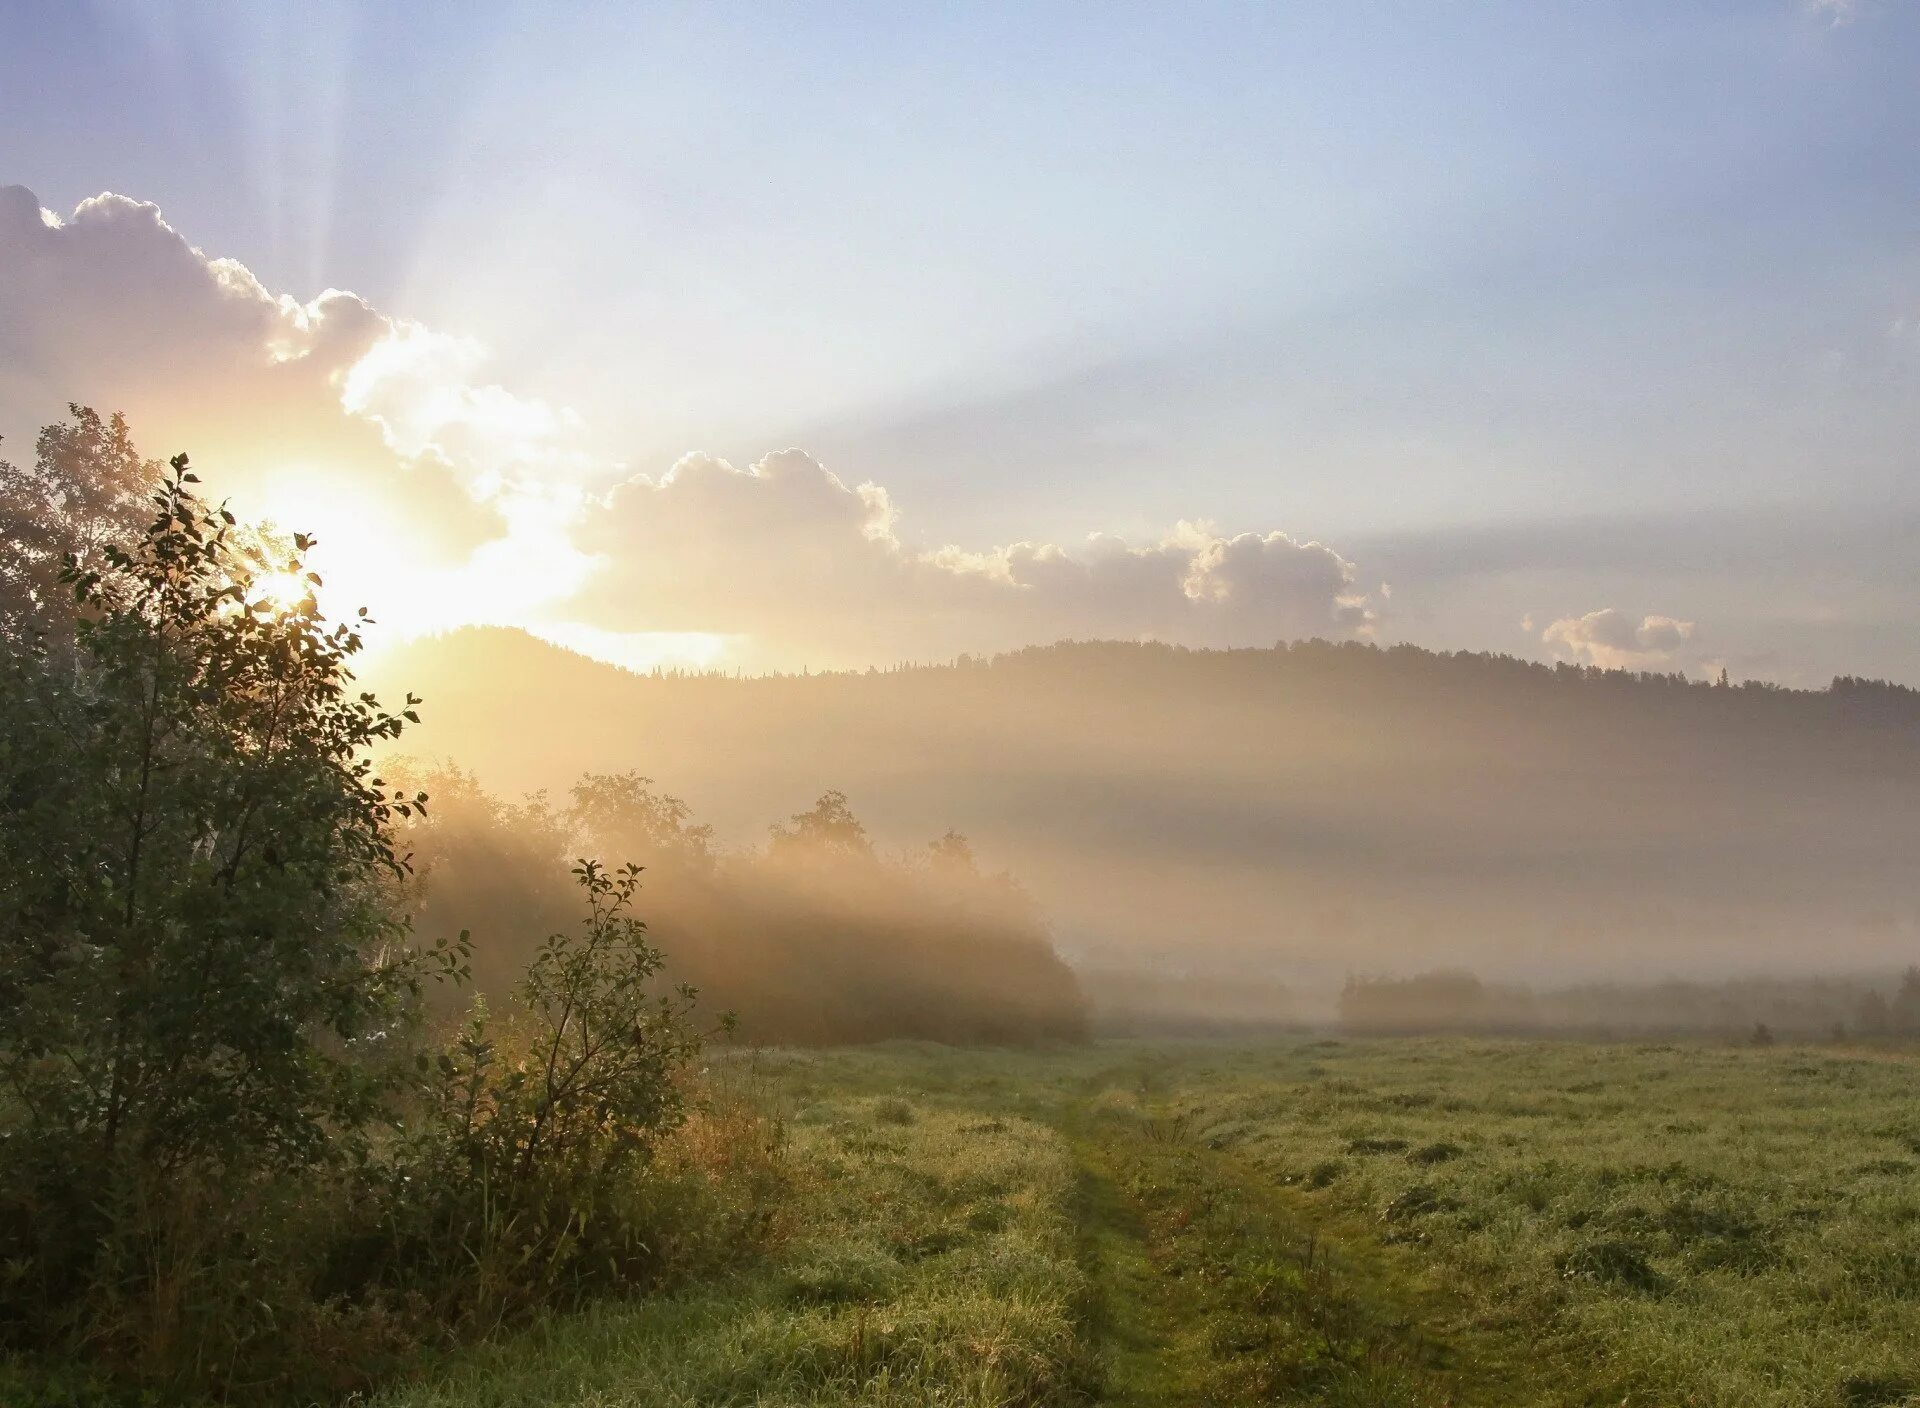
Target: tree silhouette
<point x="827" y="829"/>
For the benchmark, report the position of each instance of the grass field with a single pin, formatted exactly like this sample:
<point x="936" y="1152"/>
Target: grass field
<point x="1430" y="1222"/>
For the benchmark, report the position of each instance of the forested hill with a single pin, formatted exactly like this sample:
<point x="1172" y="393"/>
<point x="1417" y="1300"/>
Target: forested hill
<point x="1308" y="809"/>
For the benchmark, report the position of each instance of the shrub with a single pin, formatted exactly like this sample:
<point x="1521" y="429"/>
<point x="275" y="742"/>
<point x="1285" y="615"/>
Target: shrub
<point x="519" y="1182"/>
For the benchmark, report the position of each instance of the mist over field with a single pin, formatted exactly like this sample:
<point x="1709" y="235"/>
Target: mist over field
<point x="1293" y="815"/>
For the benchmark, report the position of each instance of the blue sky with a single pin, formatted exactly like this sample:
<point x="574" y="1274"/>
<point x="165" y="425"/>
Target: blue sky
<point x="1630" y="290"/>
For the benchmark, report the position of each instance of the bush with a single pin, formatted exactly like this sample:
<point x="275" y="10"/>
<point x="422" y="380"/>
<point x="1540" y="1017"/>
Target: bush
<point x="814" y="939"/>
<point x="518" y="1181"/>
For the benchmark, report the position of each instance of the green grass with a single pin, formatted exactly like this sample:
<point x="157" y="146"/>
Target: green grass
<point x="1395" y="1222"/>
<point x="930" y="1260"/>
<point x="1571" y="1223"/>
<point x="1695" y="1225"/>
<point x="1237" y="1298"/>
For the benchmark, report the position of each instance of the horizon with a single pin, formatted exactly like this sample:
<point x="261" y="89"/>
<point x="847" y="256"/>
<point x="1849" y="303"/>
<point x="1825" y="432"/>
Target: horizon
<point x="970" y="659"/>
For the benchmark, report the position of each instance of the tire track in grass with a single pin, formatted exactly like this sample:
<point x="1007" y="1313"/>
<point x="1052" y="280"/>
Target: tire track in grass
<point x="1144" y="1344"/>
<point x="1209" y="1290"/>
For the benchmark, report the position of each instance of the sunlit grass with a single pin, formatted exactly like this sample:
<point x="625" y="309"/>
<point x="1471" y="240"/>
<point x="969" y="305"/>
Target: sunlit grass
<point x="929" y="1260"/>
<point x="1382" y="1222"/>
<point x="1699" y="1224"/>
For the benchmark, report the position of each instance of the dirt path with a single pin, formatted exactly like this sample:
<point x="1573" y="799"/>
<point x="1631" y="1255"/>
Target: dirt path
<point x="1150" y="1348"/>
<point x="1212" y="1290"/>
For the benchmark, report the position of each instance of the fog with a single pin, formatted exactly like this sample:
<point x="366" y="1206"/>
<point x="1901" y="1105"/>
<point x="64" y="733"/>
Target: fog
<point x="811" y="937"/>
<point x="1288" y="817"/>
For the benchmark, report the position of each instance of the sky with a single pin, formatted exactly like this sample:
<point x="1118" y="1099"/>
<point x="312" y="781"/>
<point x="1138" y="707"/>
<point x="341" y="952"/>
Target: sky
<point x="771" y="335"/>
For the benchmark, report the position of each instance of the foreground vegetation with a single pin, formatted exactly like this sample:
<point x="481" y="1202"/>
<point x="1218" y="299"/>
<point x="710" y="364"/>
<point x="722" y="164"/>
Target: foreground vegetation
<point x="262" y="1137"/>
<point x="927" y="1255"/>
<point x="1393" y="1222"/>
<point x="1694" y="1224"/>
<point x="235" y="1159"/>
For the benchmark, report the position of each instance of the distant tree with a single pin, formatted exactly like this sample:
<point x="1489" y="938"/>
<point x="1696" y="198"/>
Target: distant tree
<point x="87" y="488"/>
<point x="1445" y="999"/>
<point x="1762" y="1035"/>
<point x="952" y="855"/>
<point x="827" y="830"/>
<point x="1904" y="1013"/>
<point x="484" y="864"/>
<point x="1873" y="1017"/>
<point x="621" y="814"/>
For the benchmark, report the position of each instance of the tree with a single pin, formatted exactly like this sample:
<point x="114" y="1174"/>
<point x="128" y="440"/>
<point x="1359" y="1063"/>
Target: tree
<point x="951" y="857"/>
<point x="621" y="814"/>
<point x="1904" y="1011"/>
<point x="87" y="488"/>
<point x="599" y="1050"/>
<point x="827" y="830"/>
<point x="198" y="945"/>
<point x="1873" y="1016"/>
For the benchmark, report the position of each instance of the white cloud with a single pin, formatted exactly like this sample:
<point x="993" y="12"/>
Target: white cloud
<point x="425" y="391"/>
<point x="1614" y="641"/>
<point x="1834" y="12"/>
<point x="111" y="307"/>
<point x="444" y="497"/>
<point x="813" y="569"/>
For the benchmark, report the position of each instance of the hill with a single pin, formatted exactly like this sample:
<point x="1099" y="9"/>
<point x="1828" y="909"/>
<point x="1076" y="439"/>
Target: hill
<point x="1304" y="811"/>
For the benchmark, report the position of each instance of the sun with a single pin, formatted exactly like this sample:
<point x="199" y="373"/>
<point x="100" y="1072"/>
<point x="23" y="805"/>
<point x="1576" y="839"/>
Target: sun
<point x="284" y="593"/>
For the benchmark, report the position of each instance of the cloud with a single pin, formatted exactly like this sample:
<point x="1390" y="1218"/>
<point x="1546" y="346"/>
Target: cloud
<point x="111" y="307"/>
<point x="424" y="389"/>
<point x="1611" y="640"/>
<point x="1834" y="12"/>
<point x="449" y="498"/>
<point x="814" y="569"/>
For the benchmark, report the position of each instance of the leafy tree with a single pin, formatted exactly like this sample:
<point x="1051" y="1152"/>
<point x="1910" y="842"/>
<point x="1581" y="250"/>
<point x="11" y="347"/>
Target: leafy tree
<point x="87" y="488"/>
<point x="621" y="814"/>
<point x="952" y="857"/>
<point x="826" y="830"/>
<point x="482" y="863"/>
<point x="597" y="1049"/>
<point x="198" y="954"/>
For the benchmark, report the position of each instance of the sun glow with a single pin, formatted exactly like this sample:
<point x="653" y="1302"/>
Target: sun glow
<point x="358" y="554"/>
<point x="641" y="651"/>
<point x="283" y="592"/>
<point x="364" y="556"/>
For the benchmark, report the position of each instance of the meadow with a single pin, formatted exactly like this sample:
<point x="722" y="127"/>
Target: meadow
<point x="1404" y="1221"/>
